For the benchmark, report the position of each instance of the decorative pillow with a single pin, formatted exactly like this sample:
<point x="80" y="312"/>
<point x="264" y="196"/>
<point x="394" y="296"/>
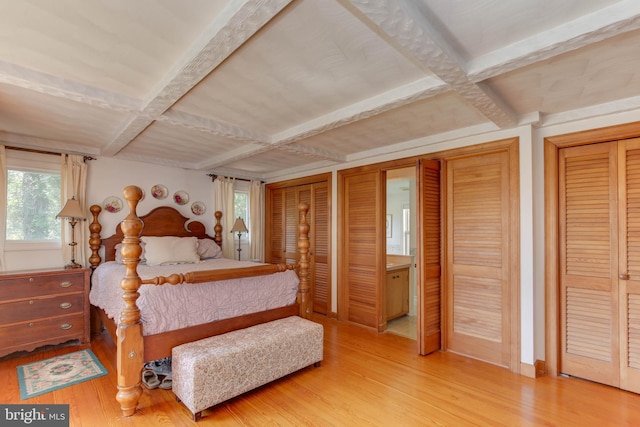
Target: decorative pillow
<point x="207" y="248"/>
<point x="170" y="250"/>
<point x="119" y="255"/>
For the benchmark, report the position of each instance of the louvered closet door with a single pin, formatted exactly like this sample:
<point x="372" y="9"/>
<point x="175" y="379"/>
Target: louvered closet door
<point x="320" y="255"/>
<point x="362" y="241"/>
<point x="588" y="193"/>
<point x="478" y="251"/>
<point x="429" y="290"/>
<point x="629" y="272"/>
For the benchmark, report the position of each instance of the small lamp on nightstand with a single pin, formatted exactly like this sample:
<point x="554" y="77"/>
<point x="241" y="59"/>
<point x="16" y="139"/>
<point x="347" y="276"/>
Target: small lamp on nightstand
<point x="73" y="212"/>
<point x="239" y="227"/>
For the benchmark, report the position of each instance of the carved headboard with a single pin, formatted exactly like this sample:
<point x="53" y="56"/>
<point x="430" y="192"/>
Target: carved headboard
<point x="161" y="221"/>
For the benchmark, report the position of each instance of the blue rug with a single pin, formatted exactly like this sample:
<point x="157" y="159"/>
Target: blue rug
<point x="41" y="377"/>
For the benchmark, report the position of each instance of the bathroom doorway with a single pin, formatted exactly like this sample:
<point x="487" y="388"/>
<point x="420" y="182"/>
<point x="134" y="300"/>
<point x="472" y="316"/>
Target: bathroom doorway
<point x="400" y="285"/>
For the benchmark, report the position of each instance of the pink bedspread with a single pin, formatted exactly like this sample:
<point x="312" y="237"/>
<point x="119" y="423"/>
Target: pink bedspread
<point x="169" y="307"/>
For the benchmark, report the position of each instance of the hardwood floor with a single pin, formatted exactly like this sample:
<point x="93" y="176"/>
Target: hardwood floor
<point x="366" y="379"/>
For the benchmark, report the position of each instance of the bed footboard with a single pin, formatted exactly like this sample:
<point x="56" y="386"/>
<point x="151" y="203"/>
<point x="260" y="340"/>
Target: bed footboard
<point x="130" y="342"/>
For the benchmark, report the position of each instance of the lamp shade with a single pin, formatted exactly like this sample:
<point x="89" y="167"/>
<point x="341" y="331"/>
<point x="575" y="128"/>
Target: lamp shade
<point x="71" y="209"/>
<point x="239" y="226"/>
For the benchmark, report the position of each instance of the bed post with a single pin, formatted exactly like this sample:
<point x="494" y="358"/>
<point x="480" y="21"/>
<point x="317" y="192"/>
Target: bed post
<point x="95" y="241"/>
<point x="217" y="229"/>
<point x="130" y="355"/>
<point x="303" y="271"/>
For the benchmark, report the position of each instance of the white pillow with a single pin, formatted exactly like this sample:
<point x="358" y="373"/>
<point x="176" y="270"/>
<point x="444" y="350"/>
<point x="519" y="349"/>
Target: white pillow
<point x="207" y="248"/>
<point x="170" y="250"/>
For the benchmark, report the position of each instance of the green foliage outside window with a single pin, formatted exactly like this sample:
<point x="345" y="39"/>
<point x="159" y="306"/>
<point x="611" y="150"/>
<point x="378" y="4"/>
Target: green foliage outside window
<point x="241" y="202"/>
<point x="33" y="201"/>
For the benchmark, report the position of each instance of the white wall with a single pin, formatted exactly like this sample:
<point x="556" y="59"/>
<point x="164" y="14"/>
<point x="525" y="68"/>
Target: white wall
<point x="108" y="177"/>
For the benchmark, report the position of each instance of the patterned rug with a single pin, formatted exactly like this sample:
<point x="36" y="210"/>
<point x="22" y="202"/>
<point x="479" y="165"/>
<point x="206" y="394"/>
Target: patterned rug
<point x="41" y="377"/>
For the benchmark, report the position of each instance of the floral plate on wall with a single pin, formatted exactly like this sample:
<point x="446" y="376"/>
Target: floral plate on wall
<point x="159" y="192"/>
<point x="198" y="208"/>
<point x="112" y="204"/>
<point x="181" y="197"/>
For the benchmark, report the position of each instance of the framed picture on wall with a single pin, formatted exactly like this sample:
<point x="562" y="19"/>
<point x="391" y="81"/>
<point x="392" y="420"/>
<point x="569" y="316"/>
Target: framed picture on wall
<point x="389" y="218"/>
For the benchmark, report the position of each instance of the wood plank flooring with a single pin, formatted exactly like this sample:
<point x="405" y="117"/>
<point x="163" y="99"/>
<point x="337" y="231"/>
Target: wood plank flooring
<point x="366" y="379"/>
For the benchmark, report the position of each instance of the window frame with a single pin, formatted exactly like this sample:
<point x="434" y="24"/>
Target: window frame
<point x="25" y="161"/>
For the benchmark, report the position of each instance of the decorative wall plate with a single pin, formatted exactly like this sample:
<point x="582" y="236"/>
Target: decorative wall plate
<point x="159" y="192"/>
<point x="181" y="197"/>
<point x="198" y="208"/>
<point x="112" y="204"/>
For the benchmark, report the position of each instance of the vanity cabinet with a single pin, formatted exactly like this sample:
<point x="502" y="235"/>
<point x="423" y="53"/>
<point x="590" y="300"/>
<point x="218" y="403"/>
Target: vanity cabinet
<point x="397" y="292"/>
<point x="40" y="307"/>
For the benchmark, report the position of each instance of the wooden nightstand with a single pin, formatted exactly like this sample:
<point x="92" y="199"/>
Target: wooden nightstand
<point x="40" y="307"/>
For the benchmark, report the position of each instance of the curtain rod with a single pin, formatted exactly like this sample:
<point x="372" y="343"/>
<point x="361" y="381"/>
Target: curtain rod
<point x="52" y="153"/>
<point x="214" y="176"/>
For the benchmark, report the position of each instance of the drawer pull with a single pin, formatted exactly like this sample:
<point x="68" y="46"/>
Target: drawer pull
<point x="31" y="324"/>
<point x="65" y="305"/>
<point x="31" y="279"/>
<point x="65" y="284"/>
<point x="66" y="326"/>
<point x="30" y="301"/>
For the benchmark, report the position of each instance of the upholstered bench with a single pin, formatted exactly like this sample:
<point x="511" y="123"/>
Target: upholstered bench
<point x="215" y="369"/>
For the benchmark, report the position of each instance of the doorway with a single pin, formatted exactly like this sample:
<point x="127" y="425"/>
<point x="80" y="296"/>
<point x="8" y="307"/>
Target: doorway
<point x="401" y="296"/>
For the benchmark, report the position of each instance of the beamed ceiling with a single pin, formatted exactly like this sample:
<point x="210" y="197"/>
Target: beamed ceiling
<point x="257" y="88"/>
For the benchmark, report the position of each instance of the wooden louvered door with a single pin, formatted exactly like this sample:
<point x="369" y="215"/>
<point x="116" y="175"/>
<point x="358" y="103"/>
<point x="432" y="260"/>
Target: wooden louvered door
<point x="429" y="291"/>
<point x="320" y="265"/>
<point x="629" y="272"/>
<point x="600" y="262"/>
<point x="588" y="258"/>
<point x="361" y="242"/>
<point x="478" y="278"/>
<point x="282" y="233"/>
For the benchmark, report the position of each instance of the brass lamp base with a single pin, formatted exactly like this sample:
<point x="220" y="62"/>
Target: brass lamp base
<point x="71" y="265"/>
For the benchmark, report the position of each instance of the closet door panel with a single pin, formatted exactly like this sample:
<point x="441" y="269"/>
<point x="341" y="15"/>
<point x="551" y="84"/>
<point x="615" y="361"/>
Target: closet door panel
<point x="362" y="241"/>
<point x="430" y="336"/>
<point x="320" y="255"/>
<point x="478" y="229"/>
<point x="588" y="259"/>
<point x="629" y="283"/>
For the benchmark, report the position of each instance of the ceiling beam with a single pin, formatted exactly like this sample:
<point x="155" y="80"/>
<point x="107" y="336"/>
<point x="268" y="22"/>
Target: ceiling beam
<point x="602" y="24"/>
<point x="235" y="25"/>
<point x="16" y="75"/>
<point x="403" y="24"/>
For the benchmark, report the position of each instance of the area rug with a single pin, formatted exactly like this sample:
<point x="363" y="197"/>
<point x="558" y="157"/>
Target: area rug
<point x="41" y="377"/>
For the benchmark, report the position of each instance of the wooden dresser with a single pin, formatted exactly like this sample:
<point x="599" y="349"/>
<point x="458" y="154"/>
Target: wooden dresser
<point x="40" y="307"/>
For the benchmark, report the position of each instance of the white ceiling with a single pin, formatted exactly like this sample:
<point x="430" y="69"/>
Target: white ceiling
<point x="254" y="88"/>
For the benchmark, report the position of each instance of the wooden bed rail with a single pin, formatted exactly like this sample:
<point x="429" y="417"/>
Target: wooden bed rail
<point x="130" y="342"/>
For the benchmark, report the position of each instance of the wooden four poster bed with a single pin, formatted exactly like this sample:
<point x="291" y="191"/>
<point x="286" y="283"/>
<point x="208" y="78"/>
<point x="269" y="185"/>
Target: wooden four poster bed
<point x="134" y="347"/>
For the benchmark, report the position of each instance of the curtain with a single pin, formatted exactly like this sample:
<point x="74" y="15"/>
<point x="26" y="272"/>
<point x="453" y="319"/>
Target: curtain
<point x="223" y="200"/>
<point x="256" y="215"/>
<point x="73" y="182"/>
<point x="3" y="197"/>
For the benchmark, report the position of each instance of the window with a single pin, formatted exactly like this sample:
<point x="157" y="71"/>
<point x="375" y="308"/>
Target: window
<point x="33" y="198"/>
<point x="241" y="206"/>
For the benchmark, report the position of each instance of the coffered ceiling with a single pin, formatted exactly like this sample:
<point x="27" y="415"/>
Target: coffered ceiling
<point x="253" y="88"/>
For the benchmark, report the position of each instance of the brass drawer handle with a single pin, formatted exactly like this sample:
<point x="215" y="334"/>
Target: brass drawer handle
<point x="31" y="324"/>
<point x="66" y="326"/>
<point x="31" y="279"/>
<point x="65" y="305"/>
<point x="65" y="284"/>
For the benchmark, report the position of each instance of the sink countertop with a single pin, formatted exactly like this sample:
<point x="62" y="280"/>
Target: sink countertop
<point x="394" y="266"/>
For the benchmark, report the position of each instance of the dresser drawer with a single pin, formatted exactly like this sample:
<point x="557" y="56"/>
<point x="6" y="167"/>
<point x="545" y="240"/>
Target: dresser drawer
<point x="36" y="308"/>
<point x="71" y="326"/>
<point x="40" y="284"/>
